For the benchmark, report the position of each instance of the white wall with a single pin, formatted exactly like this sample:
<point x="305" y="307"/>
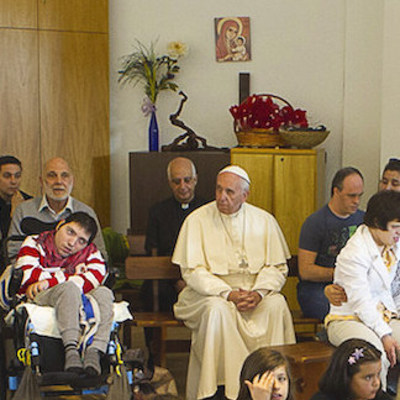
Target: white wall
<point x="363" y="90"/>
<point x="390" y="125"/>
<point x="323" y="56"/>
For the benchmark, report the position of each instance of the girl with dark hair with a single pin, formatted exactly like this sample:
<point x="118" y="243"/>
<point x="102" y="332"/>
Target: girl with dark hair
<point x="265" y="375"/>
<point x="353" y="373"/>
<point x="366" y="268"/>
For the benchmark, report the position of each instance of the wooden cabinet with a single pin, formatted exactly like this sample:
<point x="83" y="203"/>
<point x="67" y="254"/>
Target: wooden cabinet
<point x="287" y="183"/>
<point x="55" y="102"/>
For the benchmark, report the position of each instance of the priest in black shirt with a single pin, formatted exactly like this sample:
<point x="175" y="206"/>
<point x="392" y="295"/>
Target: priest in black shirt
<point x="165" y="220"/>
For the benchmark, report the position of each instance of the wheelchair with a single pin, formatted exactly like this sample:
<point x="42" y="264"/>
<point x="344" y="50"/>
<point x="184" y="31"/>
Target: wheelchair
<point x="40" y="358"/>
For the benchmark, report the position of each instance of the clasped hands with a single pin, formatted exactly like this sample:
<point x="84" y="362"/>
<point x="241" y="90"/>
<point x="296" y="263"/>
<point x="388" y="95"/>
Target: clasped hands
<point x="245" y="300"/>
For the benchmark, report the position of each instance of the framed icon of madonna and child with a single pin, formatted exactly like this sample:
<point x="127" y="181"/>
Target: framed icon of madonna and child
<point x="232" y="39"/>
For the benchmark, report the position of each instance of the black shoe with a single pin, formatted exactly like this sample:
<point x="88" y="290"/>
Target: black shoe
<point x="218" y="395"/>
<point x="392" y="379"/>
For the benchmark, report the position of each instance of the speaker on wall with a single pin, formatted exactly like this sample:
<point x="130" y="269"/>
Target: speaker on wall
<point x="244" y="86"/>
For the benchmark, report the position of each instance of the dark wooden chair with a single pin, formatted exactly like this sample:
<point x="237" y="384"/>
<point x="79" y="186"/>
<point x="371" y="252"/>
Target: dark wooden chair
<point x="131" y="292"/>
<point x="306" y="328"/>
<point x="155" y="269"/>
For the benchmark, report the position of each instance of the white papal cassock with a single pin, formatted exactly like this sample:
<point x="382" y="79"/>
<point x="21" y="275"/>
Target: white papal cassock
<point x="218" y="253"/>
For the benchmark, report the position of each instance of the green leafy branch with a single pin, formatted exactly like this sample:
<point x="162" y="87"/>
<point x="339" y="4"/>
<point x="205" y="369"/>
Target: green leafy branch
<point x="155" y="72"/>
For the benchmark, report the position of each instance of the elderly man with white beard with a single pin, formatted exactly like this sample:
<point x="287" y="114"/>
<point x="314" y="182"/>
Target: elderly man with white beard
<point x="233" y="259"/>
<point x="43" y="213"/>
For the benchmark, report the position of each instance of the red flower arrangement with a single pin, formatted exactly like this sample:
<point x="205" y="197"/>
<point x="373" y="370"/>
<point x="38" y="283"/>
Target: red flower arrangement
<point x="260" y="112"/>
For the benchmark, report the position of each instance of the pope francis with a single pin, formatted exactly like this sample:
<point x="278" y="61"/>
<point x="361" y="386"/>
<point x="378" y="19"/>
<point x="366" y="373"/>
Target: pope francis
<point x="233" y="258"/>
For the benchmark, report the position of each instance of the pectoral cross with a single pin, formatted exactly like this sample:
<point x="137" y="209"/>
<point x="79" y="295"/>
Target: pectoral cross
<point x="243" y="265"/>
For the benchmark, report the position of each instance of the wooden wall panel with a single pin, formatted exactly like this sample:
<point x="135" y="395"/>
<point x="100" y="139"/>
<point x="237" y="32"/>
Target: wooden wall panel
<point x="18" y="13"/>
<point x="74" y="111"/>
<point x="19" y="108"/>
<point x="74" y="15"/>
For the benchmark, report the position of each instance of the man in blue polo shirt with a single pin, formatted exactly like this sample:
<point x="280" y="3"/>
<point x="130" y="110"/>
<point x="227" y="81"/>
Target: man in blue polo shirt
<point x="323" y="235"/>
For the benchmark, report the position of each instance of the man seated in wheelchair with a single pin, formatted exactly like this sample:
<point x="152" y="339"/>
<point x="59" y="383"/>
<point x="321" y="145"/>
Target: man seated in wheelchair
<point x="60" y="266"/>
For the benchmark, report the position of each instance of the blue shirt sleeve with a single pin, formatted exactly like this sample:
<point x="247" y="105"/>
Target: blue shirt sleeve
<point x="311" y="234"/>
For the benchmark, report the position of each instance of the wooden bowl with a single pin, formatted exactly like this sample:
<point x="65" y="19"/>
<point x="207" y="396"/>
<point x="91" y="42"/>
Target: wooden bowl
<point x="303" y="139"/>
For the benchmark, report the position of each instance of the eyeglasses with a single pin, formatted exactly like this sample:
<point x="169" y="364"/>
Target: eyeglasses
<point x="178" y="181"/>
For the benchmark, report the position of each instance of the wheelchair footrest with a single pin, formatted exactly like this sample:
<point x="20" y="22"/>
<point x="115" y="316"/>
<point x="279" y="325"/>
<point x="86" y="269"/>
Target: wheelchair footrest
<point x="71" y="379"/>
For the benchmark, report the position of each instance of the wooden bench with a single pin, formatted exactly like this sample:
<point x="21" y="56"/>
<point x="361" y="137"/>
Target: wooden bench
<point x="160" y="268"/>
<point x="156" y="269"/>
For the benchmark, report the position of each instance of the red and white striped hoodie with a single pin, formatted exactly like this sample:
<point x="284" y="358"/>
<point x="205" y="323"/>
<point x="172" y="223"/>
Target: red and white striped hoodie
<point x="39" y="262"/>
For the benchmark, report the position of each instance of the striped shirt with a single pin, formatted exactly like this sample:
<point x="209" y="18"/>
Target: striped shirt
<point x="87" y="275"/>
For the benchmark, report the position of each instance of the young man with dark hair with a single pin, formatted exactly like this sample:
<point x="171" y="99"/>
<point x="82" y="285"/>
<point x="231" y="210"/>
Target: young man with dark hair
<point x="58" y="267"/>
<point x="391" y="176"/>
<point x="10" y="195"/>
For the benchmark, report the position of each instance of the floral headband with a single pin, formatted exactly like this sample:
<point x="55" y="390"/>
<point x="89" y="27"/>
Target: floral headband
<point x="355" y="356"/>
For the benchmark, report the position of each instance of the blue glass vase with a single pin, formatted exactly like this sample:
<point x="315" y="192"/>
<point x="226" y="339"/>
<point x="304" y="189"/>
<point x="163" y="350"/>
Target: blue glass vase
<point x="153" y="132"/>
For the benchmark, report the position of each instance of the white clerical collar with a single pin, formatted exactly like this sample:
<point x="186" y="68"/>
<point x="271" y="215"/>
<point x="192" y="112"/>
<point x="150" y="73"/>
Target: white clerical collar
<point x="184" y="206"/>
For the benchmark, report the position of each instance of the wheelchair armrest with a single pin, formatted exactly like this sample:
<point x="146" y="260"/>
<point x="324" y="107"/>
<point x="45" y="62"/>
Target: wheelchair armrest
<point x="15" y="282"/>
<point x="112" y="276"/>
<point x="4" y="250"/>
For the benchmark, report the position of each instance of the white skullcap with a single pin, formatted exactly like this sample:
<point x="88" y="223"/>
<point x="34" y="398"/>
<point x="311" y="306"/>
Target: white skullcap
<point x="235" y="169"/>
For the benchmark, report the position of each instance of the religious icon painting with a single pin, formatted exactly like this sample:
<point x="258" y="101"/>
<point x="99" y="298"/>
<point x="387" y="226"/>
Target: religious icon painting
<point x="232" y="39"/>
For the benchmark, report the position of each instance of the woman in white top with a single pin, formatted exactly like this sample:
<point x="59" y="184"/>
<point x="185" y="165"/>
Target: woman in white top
<point x="365" y="268"/>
